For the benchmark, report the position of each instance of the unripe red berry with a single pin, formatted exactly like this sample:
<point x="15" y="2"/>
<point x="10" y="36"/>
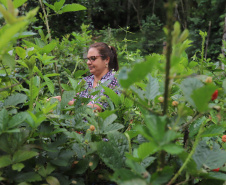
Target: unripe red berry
<point x="161" y="99"/>
<point x="175" y="103"/>
<point x="223" y="138"/>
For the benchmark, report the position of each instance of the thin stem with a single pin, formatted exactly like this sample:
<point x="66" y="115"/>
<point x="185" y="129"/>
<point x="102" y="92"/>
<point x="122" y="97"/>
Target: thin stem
<point x="190" y="154"/>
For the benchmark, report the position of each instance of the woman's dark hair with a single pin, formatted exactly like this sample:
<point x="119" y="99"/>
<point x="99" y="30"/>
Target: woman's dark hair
<point x="107" y="51"/>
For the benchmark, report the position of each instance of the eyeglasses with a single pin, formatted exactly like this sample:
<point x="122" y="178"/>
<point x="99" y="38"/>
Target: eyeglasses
<point x="93" y="58"/>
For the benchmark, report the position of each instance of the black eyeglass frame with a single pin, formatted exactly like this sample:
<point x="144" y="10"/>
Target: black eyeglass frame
<point x="93" y="58"/>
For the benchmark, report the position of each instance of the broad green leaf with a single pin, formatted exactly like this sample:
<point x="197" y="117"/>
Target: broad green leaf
<point x="191" y="166"/>
<point x="188" y="86"/>
<point x="50" y="84"/>
<point x="212" y="158"/>
<point x="18" y="166"/>
<point x="9" y="32"/>
<point x="112" y="127"/>
<point x="138" y="72"/>
<point x="9" y="61"/>
<point x="156" y="126"/>
<point x="72" y="8"/>
<point x="4" y="2"/>
<point x="18" y="3"/>
<point x="48" y="48"/>
<point x="73" y="82"/>
<point x="58" y="5"/>
<point x="21" y="52"/>
<point x="24" y="35"/>
<point x="15" y="99"/>
<point x="4" y="118"/>
<point x="52" y="180"/>
<point x="148" y="161"/>
<point x="66" y="87"/>
<point x="79" y="73"/>
<point x="194" y="127"/>
<point x="67" y="96"/>
<point x="202" y="96"/>
<point x="214" y="130"/>
<point x="163" y="176"/>
<point x="152" y="88"/>
<point x="173" y="148"/>
<point x="28" y="177"/>
<point x="217" y="175"/>
<point x="110" y="155"/>
<point x="112" y="95"/>
<point x="5" y="160"/>
<point x="124" y="175"/>
<point x="20" y="155"/>
<point x="109" y="120"/>
<point x="49" y="5"/>
<point x="146" y="149"/>
<point x="17" y="119"/>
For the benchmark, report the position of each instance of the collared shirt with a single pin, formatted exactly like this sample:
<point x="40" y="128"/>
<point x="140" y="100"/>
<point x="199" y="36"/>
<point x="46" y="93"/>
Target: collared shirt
<point x="107" y="80"/>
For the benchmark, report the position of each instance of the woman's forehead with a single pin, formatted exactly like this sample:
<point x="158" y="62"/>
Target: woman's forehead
<point x="93" y="52"/>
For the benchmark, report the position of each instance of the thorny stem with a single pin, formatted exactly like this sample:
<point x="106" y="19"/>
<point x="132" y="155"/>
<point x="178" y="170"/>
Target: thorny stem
<point x="50" y="38"/>
<point x="190" y="154"/>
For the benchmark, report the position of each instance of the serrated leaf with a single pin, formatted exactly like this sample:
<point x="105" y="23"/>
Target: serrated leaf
<point x="48" y="48"/>
<point x="4" y="118"/>
<point x="224" y="85"/>
<point x="73" y="82"/>
<point x="134" y="182"/>
<point x="9" y="61"/>
<point x="191" y="165"/>
<point x="138" y="72"/>
<point x="49" y="84"/>
<point x="214" y="130"/>
<point x="67" y="96"/>
<point x="202" y="96"/>
<point x="109" y="155"/>
<point x="28" y="177"/>
<point x="58" y="5"/>
<point x="152" y="88"/>
<point x="52" y="180"/>
<point x="49" y="5"/>
<point x="212" y="158"/>
<point x="112" y="95"/>
<point x="5" y="161"/>
<point x="72" y="8"/>
<point x="112" y="127"/>
<point x="188" y="86"/>
<point x="20" y="155"/>
<point x="15" y="99"/>
<point x="21" y="52"/>
<point x="24" y="35"/>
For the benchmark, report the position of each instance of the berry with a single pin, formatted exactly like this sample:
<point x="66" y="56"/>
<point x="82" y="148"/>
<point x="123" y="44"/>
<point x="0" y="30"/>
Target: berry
<point x="92" y="127"/>
<point x="161" y="99"/>
<point x="175" y="103"/>
<point x="209" y="79"/>
<point x="216" y="170"/>
<point x="223" y="138"/>
<point x="103" y="98"/>
<point x="214" y="95"/>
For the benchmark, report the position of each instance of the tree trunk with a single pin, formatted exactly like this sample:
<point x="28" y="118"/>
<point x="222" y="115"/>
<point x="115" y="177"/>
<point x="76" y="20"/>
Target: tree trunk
<point x="153" y="8"/>
<point x="128" y="13"/>
<point x="137" y="10"/>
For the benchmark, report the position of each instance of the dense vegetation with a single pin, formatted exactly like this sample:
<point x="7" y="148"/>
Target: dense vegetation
<point x="166" y="127"/>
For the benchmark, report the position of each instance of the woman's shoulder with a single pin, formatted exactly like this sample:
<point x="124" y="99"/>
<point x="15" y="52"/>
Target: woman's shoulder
<point x="89" y="78"/>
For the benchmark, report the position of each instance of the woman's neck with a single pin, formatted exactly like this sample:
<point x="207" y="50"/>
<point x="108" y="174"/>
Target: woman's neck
<point x="98" y="77"/>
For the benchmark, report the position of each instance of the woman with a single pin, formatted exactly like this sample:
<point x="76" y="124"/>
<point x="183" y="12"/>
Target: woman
<point x="101" y="61"/>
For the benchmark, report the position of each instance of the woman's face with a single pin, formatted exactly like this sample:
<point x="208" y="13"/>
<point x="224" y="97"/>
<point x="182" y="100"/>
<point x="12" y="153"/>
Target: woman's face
<point x="96" y="65"/>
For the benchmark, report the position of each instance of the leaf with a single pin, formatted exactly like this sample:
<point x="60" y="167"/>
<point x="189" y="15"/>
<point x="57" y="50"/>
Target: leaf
<point x="112" y="127"/>
<point x="17" y="119"/>
<point x="18" y="166"/>
<point x="49" y="84"/>
<point x="173" y="148"/>
<point x="73" y="82"/>
<point x="72" y="8"/>
<point x="24" y="35"/>
<point x="28" y="177"/>
<point x="48" y="48"/>
<point x="9" y="32"/>
<point x="49" y="5"/>
<point x="134" y="182"/>
<point x="217" y="175"/>
<point x="194" y="127"/>
<point x="214" y="130"/>
<point x="4" y="118"/>
<point x="58" y="5"/>
<point x="188" y="86"/>
<point x="224" y="85"/>
<point x="67" y="96"/>
<point x="18" y="3"/>
<point x="15" y="99"/>
<point x="146" y="149"/>
<point x="163" y="176"/>
<point x="44" y="171"/>
<point x="9" y="61"/>
<point x="20" y="155"/>
<point x="109" y="155"/>
<point x="52" y="180"/>
<point x="21" y="52"/>
<point x="5" y="160"/>
<point x="212" y="158"/>
<point x="202" y="96"/>
<point x="191" y="166"/>
<point x="152" y="88"/>
<point x="138" y="72"/>
<point x="79" y="73"/>
<point x="112" y="95"/>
